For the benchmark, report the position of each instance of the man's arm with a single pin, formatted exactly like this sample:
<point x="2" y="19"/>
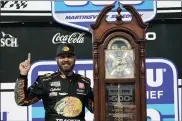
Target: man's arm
<point x="24" y="96"/>
<point x="90" y="104"/>
<point x="90" y="95"/>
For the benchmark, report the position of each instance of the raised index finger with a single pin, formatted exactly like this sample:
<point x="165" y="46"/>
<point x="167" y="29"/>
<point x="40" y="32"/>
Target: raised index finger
<point x="29" y="57"/>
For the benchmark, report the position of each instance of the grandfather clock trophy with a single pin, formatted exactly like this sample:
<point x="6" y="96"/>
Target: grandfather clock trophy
<point x="119" y="67"/>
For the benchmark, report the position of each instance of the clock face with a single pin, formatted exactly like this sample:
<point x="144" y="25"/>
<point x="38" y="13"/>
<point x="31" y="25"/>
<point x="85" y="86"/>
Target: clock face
<point x="119" y="43"/>
<point x="119" y="63"/>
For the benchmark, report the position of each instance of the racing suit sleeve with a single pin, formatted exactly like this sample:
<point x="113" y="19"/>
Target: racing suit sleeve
<point x="90" y="99"/>
<point x="24" y="96"/>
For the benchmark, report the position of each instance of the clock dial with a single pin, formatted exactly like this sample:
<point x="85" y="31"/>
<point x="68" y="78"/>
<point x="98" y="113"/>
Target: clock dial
<point x="119" y="64"/>
<point x="119" y="43"/>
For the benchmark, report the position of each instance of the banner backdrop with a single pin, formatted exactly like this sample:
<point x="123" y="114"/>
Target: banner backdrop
<point x="163" y="98"/>
<point x="41" y="42"/>
<point x="83" y="13"/>
<point x="163" y="66"/>
<point x="162" y="84"/>
<point x="164" y="41"/>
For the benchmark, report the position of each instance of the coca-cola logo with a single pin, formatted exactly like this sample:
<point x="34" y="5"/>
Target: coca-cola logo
<point x="75" y="37"/>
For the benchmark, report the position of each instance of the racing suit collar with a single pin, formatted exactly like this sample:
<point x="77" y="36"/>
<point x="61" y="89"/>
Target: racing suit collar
<point x="69" y="74"/>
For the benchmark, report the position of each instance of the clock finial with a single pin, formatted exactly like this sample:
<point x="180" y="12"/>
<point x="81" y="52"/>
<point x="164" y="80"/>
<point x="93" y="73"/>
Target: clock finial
<point x="119" y="16"/>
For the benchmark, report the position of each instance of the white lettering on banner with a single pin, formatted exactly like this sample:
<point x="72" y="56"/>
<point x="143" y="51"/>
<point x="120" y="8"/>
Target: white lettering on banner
<point x="159" y="72"/>
<point x="78" y="3"/>
<point x="154" y="94"/>
<point x="150" y="36"/>
<point x="8" y="40"/>
<point x="85" y="17"/>
<point x="159" y="77"/>
<point x="75" y="37"/>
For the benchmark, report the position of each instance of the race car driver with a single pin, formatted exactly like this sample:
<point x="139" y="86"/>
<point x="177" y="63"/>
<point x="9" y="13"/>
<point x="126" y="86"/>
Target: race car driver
<point x="64" y="93"/>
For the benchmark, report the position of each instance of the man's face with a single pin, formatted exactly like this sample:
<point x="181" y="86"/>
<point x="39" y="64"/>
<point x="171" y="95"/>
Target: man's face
<point x="66" y="62"/>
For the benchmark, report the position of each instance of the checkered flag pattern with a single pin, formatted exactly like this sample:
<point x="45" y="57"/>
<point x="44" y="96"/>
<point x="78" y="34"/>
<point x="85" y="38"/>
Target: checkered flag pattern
<point x="18" y="4"/>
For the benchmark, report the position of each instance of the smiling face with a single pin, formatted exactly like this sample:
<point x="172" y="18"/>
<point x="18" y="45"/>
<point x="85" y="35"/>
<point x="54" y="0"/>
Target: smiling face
<point x="66" y="62"/>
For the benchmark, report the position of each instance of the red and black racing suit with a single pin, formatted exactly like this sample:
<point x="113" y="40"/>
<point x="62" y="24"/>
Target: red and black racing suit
<point x="64" y="98"/>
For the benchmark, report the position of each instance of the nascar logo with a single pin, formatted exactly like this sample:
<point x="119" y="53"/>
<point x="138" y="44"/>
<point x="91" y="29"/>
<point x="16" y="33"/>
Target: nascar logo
<point x="80" y="14"/>
<point x="162" y="91"/>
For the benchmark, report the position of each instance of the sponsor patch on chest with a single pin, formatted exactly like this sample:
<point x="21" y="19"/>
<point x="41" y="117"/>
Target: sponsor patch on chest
<point x="55" y="84"/>
<point x="80" y="90"/>
<point x="63" y="93"/>
<point x="81" y="85"/>
<point x="51" y="94"/>
<point x="55" y="89"/>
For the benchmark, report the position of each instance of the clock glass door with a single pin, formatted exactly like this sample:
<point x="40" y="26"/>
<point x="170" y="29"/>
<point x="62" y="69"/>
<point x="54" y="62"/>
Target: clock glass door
<point x="120" y="102"/>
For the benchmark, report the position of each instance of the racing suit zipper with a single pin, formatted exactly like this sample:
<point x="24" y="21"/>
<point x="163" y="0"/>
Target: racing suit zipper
<point x="70" y="93"/>
<point x="69" y="88"/>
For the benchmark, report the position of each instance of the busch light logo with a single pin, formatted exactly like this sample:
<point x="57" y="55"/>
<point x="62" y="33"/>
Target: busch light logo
<point x="162" y="91"/>
<point x="80" y="14"/>
<point x="7" y="40"/>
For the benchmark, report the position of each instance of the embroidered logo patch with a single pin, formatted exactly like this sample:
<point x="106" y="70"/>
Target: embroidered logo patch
<point x="81" y="85"/>
<point x="55" y="84"/>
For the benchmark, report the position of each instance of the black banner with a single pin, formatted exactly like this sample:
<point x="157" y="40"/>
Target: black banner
<point x="41" y="40"/>
<point x="167" y="44"/>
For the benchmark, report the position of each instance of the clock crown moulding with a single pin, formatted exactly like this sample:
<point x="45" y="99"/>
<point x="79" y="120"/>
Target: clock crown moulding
<point x="135" y="26"/>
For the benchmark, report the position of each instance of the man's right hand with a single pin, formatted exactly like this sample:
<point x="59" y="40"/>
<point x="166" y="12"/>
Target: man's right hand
<point x="24" y="67"/>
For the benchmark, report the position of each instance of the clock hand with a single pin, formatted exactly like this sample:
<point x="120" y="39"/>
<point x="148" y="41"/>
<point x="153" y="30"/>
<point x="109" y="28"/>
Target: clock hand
<point x="115" y="66"/>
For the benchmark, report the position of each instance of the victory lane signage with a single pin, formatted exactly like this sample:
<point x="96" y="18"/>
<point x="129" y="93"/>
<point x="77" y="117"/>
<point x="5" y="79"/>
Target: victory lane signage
<point x="80" y="14"/>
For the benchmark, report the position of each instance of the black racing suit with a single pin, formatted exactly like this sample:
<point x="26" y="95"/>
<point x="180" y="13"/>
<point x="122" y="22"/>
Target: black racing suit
<point x="64" y="98"/>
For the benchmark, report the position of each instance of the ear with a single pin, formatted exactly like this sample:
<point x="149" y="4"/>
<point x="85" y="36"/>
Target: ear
<point x="75" y="57"/>
<point x="56" y="58"/>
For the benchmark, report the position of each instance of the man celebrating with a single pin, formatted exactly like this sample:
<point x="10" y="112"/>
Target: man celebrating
<point x="64" y="93"/>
